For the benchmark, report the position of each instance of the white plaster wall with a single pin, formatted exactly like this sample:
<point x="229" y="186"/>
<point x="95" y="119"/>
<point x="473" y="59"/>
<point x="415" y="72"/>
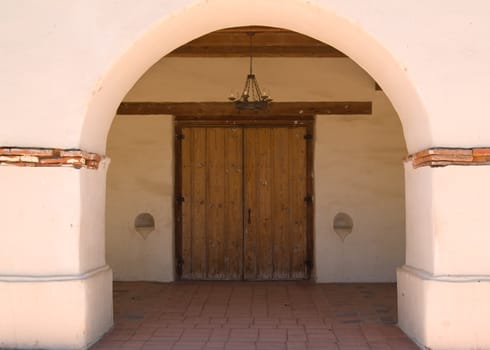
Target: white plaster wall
<point x="50" y="251"/>
<point x="358" y="164"/>
<point x="140" y="180"/>
<point x="461" y="232"/>
<point x="55" y="312"/>
<point x="447" y="211"/>
<point x="419" y="217"/>
<point x="444" y="312"/>
<point x="89" y="55"/>
<point x="92" y="217"/>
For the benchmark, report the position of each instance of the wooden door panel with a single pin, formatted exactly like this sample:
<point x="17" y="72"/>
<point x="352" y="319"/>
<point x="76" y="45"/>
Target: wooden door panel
<point x="281" y="194"/>
<point x="224" y="204"/>
<point x="194" y="177"/>
<point x="275" y="191"/>
<point x="215" y="205"/>
<point x="298" y="207"/>
<point x="258" y="195"/>
<point x="212" y="227"/>
<point x="233" y="181"/>
<point x="250" y="202"/>
<point x="244" y="214"/>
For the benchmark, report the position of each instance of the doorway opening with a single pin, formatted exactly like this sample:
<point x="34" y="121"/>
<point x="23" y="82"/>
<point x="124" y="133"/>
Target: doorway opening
<point x="358" y="226"/>
<point x="244" y="205"/>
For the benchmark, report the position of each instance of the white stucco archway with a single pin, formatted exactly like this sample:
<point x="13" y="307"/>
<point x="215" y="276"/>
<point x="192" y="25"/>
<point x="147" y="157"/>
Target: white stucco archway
<point x="86" y="63"/>
<point x="366" y="48"/>
<point x="168" y="33"/>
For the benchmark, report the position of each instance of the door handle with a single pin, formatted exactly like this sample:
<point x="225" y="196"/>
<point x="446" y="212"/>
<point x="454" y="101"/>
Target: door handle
<point x="249" y="216"/>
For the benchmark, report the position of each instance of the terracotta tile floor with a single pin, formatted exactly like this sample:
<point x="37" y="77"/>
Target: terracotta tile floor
<point x="254" y="315"/>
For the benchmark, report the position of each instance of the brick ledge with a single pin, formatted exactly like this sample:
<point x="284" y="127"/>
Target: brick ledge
<point x="444" y="156"/>
<point x="49" y="157"/>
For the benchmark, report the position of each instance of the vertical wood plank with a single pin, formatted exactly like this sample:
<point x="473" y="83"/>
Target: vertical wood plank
<point x="298" y="217"/>
<point x="310" y="206"/>
<point x="186" y="191"/>
<point x="198" y="213"/>
<point x="233" y="181"/>
<point x="264" y="182"/>
<point x="250" y="202"/>
<point x="280" y="213"/>
<point x="258" y="192"/>
<point x="215" y="204"/>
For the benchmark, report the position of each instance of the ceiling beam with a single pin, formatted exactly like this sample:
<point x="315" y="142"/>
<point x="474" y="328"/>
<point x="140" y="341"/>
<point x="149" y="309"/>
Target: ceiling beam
<point x="227" y="109"/>
<point x="267" y="42"/>
<point x="259" y="51"/>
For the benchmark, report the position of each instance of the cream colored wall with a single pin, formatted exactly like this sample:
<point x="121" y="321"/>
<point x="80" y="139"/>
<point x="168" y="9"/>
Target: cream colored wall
<point x="359" y="171"/>
<point x="358" y="165"/>
<point x="140" y="180"/>
<point x="213" y="79"/>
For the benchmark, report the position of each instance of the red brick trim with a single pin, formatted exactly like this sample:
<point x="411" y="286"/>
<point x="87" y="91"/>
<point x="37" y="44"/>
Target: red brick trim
<point x="439" y="157"/>
<point x="49" y="157"/>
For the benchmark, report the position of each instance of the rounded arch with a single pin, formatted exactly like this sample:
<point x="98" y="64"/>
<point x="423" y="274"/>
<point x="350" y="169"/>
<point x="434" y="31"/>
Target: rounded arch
<point x="316" y="21"/>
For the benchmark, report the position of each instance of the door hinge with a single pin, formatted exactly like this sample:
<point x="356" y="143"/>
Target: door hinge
<point x="179" y="199"/>
<point x="308" y="265"/>
<point x="180" y="136"/>
<point x="308" y="137"/>
<point x="309" y="199"/>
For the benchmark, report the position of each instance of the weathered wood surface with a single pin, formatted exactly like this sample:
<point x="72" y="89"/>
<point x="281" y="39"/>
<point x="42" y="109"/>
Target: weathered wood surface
<point x="233" y="182"/>
<point x="211" y="210"/>
<point x="282" y="194"/>
<point x="275" y="188"/>
<point x="244" y="215"/>
<point x="227" y="109"/>
<point x="267" y="42"/>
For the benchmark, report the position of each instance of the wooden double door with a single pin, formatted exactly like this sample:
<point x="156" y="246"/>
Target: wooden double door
<point x="243" y="203"/>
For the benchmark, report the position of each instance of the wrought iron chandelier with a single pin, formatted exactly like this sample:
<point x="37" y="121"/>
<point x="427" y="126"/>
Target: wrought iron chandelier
<point x="251" y="98"/>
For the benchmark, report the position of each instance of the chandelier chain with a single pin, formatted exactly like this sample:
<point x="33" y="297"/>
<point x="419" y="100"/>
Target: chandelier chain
<point x="251" y="97"/>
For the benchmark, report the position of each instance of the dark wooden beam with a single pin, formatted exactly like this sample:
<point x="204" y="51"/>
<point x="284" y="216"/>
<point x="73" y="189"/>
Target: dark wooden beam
<point x="226" y="109"/>
<point x="267" y="42"/>
<point x="245" y="120"/>
<point x="255" y="29"/>
<point x="259" y="51"/>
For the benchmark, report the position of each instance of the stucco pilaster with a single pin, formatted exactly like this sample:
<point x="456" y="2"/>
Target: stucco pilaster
<point x="55" y="287"/>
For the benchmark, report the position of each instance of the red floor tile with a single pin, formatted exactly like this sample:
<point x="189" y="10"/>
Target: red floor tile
<point x="254" y="316"/>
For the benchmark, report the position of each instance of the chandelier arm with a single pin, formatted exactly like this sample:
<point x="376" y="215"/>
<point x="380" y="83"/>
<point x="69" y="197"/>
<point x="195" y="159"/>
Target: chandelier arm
<point x="257" y="89"/>
<point x="246" y="90"/>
